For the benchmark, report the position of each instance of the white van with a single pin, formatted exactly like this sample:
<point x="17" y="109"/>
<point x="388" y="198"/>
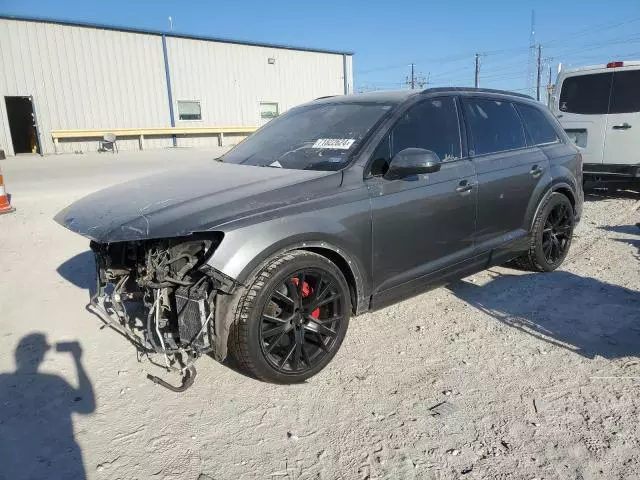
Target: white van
<point x="599" y="108"/>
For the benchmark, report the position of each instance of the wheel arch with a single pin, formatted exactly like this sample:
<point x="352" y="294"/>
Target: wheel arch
<point x="344" y="260"/>
<point x="359" y="285"/>
<point x="558" y="187"/>
<point x="343" y="264"/>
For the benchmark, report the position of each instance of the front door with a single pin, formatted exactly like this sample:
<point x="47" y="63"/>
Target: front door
<point x="622" y="138"/>
<point x="424" y="223"/>
<point x="509" y="171"/>
<point x="22" y="125"/>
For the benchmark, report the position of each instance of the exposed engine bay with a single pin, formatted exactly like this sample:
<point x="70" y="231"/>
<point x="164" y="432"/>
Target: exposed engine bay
<point x="160" y="295"/>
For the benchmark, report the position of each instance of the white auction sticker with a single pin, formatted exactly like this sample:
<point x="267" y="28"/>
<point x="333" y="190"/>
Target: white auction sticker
<point x="334" y="143"/>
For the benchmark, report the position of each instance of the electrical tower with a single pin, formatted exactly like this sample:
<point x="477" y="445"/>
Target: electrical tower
<point x="532" y="70"/>
<point x="415" y="80"/>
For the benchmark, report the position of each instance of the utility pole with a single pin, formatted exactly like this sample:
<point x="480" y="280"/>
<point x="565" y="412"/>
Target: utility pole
<point x="413" y="77"/>
<point x="477" y="80"/>
<point x="416" y="80"/>
<point x="549" y="87"/>
<point x="539" y="72"/>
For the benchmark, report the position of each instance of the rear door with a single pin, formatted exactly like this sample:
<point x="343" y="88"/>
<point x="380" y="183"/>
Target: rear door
<point x="510" y="170"/>
<point x="622" y="137"/>
<point x="582" y="108"/>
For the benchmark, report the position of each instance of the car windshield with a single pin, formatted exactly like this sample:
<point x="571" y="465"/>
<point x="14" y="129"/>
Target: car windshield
<point x="312" y="137"/>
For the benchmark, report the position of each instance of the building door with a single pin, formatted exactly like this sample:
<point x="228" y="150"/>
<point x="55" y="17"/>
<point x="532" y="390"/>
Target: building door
<point x="23" y="125"/>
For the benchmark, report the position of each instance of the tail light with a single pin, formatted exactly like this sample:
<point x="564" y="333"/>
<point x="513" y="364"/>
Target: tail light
<point x="615" y="64"/>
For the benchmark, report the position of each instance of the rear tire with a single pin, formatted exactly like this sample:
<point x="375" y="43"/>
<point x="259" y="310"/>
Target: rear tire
<point x="551" y="235"/>
<point x="293" y="318"/>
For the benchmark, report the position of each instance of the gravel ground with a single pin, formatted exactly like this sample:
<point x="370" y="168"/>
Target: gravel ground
<point x="504" y="374"/>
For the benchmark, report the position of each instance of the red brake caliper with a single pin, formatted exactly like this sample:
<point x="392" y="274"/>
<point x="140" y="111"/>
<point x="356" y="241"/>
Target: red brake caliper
<point x="306" y="292"/>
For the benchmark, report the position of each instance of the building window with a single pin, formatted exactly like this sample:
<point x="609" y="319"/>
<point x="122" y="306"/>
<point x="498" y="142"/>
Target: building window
<point x="269" y="110"/>
<point x="189" y="110"/>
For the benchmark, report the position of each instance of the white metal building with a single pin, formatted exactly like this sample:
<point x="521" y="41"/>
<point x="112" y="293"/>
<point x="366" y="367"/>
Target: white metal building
<point x="70" y="76"/>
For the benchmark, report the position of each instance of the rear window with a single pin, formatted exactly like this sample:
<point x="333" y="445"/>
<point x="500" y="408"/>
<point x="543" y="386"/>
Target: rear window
<point x="586" y="94"/>
<point x="495" y="126"/>
<point x="537" y="124"/>
<point x="625" y="95"/>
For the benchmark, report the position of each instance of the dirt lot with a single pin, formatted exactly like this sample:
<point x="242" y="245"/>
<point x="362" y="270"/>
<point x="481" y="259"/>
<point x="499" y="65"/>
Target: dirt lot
<point x="502" y="375"/>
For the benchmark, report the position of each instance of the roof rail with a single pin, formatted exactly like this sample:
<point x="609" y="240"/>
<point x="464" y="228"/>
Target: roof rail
<point x="478" y="90"/>
<point x="326" y="96"/>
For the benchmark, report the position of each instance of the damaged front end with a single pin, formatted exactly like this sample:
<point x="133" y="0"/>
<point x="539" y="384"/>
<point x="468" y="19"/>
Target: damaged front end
<point x="161" y="295"/>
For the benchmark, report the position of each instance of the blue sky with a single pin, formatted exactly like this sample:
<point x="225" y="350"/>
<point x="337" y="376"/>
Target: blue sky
<point x="439" y="37"/>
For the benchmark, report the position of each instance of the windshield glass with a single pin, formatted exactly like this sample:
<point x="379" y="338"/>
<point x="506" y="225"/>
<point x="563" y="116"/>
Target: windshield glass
<point x="312" y="137"/>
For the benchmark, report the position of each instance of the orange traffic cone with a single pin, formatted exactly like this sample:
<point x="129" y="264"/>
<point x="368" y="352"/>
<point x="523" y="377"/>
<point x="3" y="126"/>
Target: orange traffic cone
<point x="5" y="206"/>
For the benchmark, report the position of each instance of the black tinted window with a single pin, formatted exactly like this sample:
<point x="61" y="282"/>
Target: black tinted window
<point x="537" y="124"/>
<point x="381" y="158"/>
<point x="495" y="126"/>
<point x="625" y="96"/>
<point x="432" y="125"/>
<point x="586" y="94"/>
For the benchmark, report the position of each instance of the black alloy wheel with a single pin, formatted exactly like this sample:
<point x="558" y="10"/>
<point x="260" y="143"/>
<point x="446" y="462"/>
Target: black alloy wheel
<point x="557" y="232"/>
<point x="551" y="235"/>
<point x="292" y="320"/>
<point x="299" y="325"/>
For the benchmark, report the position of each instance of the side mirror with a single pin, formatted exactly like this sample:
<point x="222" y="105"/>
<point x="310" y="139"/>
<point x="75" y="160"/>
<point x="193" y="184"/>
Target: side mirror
<point x="413" y="161"/>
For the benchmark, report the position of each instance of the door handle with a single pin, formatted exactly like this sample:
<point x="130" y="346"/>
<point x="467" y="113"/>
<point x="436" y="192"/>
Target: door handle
<point x="624" y="126"/>
<point x="464" y="187"/>
<point x="536" y="171"/>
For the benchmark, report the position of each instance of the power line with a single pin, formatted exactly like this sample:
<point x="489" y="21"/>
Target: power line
<point x="380" y="69"/>
<point x="590" y="31"/>
<point x="503" y="70"/>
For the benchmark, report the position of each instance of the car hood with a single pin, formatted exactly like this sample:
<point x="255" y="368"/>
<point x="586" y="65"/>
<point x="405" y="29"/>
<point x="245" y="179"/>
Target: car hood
<point x="178" y="203"/>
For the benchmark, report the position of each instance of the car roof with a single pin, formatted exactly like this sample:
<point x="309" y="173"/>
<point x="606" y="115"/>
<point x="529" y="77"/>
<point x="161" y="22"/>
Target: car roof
<point x="399" y="96"/>
<point x="627" y="63"/>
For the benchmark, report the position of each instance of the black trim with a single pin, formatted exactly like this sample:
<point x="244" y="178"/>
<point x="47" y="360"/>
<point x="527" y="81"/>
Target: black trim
<point x="462" y="121"/>
<point x="168" y="34"/>
<point x="611" y="171"/>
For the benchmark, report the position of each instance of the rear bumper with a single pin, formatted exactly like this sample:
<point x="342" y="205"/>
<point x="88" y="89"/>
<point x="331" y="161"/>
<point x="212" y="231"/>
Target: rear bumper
<point x="603" y="172"/>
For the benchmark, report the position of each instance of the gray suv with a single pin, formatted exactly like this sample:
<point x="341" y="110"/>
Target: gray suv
<point x="338" y="207"/>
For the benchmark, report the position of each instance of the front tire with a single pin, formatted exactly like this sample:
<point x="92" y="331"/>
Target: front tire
<point x="293" y="318"/>
<point x="551" y="235"/>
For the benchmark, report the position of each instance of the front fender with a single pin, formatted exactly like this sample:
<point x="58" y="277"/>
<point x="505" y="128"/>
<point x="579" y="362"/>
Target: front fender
<point x="342" y="228"/>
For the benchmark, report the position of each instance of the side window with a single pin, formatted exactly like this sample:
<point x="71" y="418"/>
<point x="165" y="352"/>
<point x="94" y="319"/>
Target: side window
<point x="537" y="124"/>
<point x="495" y="125"/>
<point x="625" y="95"/>
<point x="432" y="125"/>
<point x="189" y="110"/>
<point x="586" y="94"/>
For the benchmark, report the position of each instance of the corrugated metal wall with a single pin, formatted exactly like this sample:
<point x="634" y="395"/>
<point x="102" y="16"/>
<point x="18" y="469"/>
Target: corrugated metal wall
<point x="231" y="80"/>
<point x="83" y="78"/>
